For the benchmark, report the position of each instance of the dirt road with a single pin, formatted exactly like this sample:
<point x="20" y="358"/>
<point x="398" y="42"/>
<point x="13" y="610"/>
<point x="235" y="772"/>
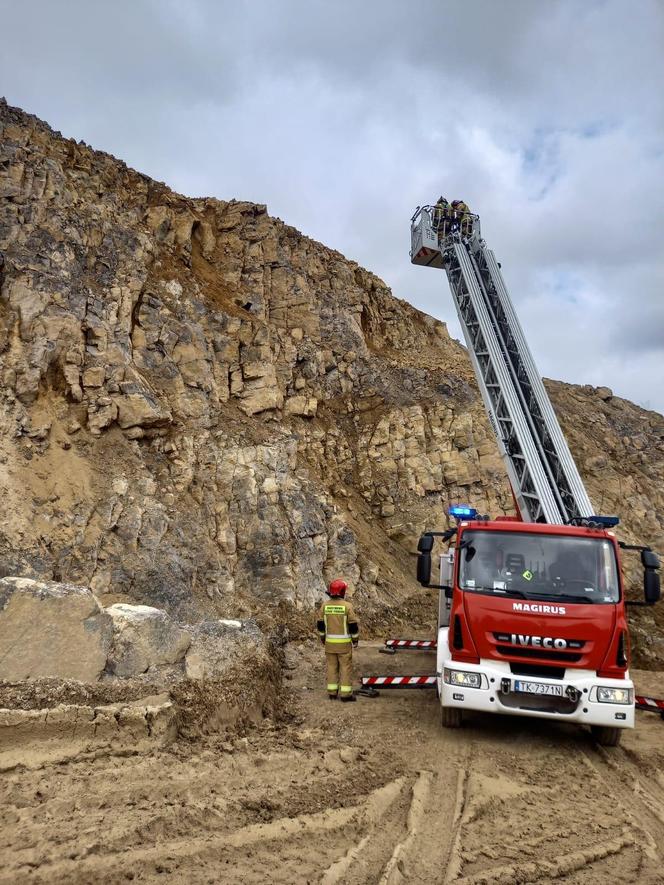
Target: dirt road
<point x="372" y="792"/>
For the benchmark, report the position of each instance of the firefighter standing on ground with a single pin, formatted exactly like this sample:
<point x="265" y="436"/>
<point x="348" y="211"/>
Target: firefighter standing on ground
<point x="339" y="631"/>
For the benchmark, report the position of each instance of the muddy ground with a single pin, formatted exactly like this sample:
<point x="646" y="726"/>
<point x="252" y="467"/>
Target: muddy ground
<point x="371" y="792"/>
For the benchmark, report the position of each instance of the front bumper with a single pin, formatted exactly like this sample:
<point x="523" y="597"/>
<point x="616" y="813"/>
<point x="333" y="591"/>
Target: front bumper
<point x="494" y="698"/>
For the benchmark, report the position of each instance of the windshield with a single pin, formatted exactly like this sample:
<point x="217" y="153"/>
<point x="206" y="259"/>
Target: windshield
<point x="538" y="566"/>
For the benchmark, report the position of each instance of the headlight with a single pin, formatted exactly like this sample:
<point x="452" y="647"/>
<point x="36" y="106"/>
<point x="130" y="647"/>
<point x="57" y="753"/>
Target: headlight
<point x="614" y="695"/>
<point x="462" y="677"/>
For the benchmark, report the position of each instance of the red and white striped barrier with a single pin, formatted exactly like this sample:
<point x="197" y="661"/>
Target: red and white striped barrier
<point x="655" y="705"/>
<point x="421" y="644"/>
<point x="399" y="681"/>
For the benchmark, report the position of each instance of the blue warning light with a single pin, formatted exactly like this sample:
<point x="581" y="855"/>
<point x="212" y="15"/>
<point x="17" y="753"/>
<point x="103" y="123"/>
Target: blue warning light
<point x="462" y="511"/>
<point x="607" y="522"/>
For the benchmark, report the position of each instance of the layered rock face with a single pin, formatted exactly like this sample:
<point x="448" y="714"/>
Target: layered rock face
<point x="206" y="411"/>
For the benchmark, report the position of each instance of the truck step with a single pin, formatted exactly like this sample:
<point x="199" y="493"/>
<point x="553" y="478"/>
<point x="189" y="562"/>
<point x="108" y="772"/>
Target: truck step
<point x="411" y="681"/>
<point x="652" y="705"/>
<point x="411" y="644"/>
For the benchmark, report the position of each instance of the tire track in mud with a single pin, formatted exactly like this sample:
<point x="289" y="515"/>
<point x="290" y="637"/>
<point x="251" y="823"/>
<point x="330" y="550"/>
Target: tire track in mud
<point x="417" y="847"/>
<point x="427" y="849"/>
<point x="454" y="861"/>
<point x="202" y="803"/>
<point x="550" y="868"/>
<point x="376" y="808"/>
<point x="163" y="800"/>
<point x="618" y="773"/>
<point x="650" y="792"/>
<point x="221" y="847"/>
<point x="522" y="809"/>
<point x="393" y="871"/>
<point x="362" y="794"/>
<point x="500" y="839"/>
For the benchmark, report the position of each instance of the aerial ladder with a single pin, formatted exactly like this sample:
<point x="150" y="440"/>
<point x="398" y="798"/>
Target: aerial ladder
<point x="544" y="478"/>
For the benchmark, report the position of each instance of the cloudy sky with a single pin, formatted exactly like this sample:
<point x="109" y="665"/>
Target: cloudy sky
<point x="546" y="116"/>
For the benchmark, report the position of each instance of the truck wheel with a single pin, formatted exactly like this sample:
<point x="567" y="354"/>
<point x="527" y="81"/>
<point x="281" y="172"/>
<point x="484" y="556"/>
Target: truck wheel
<point x="605" y="735"/>
<point x="450" y="717"/>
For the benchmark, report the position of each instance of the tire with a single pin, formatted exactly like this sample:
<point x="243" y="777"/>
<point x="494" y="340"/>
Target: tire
<point x="450" y="717"/>
<point x="605" y="735"/>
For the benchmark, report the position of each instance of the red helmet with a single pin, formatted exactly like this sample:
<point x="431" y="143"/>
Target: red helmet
<point x="337" y="588"/>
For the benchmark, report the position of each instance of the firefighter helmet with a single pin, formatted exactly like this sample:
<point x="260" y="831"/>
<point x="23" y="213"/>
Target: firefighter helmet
<point x="337" y="588"/>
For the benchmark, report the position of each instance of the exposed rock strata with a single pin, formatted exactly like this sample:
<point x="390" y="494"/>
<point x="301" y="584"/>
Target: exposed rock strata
<point x="206" y="411"/>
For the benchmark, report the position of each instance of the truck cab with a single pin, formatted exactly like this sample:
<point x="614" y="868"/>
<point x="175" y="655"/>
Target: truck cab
<point x="532" y="622"/>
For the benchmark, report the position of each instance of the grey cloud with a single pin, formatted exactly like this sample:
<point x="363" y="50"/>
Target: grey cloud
<point x="546" y="117"/>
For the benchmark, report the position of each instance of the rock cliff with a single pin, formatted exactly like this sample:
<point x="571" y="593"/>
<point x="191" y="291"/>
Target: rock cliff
<point x="204" y="410"/>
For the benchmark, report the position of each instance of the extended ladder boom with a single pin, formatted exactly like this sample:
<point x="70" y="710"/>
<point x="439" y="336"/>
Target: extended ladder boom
<point x="542" y="472"/>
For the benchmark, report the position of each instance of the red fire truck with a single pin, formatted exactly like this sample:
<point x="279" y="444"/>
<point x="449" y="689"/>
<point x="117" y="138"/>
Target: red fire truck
<point x="531" y="614"/>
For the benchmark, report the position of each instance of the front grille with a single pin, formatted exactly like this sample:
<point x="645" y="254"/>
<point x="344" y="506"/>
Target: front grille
<point x="541" y="654"/>
<point x="513" y="639"/>
<point x="537" y="702"/>
<point x="537" y="670"/>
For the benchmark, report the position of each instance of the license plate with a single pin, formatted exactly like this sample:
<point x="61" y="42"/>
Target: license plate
<point x="538" y="688"/>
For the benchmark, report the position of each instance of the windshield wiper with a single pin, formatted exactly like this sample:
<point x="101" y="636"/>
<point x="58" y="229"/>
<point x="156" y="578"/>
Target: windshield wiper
<point x="497" y="592"/>
<point x="575" y="597"/>
<point x="510" y="592"/>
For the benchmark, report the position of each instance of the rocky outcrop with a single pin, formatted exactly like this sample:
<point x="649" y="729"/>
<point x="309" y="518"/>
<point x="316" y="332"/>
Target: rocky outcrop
<point x="204" y="410"/>
<point x="207" y="412"/>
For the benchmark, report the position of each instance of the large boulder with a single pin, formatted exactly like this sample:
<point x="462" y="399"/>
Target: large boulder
<point x="144" y="637"/>
<point x="605" y="393"/>
<point x="50" y="629"/>
<point x="217" y="645"/>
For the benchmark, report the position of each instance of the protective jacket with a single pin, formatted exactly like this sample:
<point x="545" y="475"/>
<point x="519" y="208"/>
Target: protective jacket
<point x="464" y="219"/>
<point x="338" y="628"/>
<point x="441" y="212"/>
<point x="337" y="625"/>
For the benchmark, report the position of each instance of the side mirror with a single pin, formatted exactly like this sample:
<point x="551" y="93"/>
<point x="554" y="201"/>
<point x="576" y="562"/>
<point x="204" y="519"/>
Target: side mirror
<point x="649" y="559"/>
<point x="651" y="588"/>
<point x="424" y="548"/>
<point x="425" y="544"/>
<point x="424" y="569"/>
